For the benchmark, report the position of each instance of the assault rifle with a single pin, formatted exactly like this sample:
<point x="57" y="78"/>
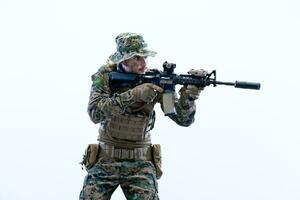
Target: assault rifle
<point x="168" y="79"/>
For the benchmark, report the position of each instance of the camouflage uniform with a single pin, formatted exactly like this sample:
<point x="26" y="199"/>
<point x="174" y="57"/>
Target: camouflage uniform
<point x="126" y="155"/>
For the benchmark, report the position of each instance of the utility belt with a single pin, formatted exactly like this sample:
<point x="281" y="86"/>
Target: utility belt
<point x="114" y="153"/>
<point x="135" y="154"/>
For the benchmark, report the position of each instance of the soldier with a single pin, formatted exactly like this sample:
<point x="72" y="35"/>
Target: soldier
<point x="125" y="155"/>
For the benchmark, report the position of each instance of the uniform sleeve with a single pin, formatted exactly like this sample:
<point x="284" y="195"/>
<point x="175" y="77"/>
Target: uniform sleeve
<point x="185" y="110"/>
<point x="100" y="101"/>
<point x="103" y="104"/>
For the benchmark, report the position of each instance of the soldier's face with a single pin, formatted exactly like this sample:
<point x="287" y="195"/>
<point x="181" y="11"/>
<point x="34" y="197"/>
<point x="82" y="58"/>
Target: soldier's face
<point x="136" y="64"/>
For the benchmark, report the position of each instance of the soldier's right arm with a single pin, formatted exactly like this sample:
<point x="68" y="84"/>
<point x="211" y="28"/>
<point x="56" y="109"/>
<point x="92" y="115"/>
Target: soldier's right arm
<point x="102" y="103"/>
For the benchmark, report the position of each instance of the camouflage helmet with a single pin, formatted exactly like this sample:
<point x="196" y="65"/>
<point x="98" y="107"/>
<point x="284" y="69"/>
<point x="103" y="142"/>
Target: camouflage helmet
<point x="128" y="46"/>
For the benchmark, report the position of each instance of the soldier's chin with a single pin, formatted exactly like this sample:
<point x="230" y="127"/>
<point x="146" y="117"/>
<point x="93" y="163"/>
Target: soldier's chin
<point x="142" y="71"/>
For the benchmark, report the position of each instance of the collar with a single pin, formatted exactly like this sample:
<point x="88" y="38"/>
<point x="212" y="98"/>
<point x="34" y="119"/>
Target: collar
<point x="120" y="68"/>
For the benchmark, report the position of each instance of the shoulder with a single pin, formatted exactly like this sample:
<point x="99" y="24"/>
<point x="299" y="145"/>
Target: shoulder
<point x="104" y="69"/>
<point x="101" y="76"/>
<point x="107" y="68"/>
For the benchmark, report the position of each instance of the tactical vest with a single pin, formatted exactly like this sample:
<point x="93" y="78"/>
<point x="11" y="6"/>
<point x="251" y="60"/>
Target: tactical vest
<point x="130" y="129"/>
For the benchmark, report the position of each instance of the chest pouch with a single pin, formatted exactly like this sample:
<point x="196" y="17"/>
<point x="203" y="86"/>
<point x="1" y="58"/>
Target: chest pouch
<point x="129" y="127"/>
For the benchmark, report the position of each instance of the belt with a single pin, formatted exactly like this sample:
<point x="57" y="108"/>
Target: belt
<point x="111" y="151"/>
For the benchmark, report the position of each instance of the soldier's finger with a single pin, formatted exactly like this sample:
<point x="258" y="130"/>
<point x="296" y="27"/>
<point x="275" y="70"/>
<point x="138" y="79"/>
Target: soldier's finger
<point x="192" y="87"/>
<point x="152" y="97"/>
<point x="156" y="88"/>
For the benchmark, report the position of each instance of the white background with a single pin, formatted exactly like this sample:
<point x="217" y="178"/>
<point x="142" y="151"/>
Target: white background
<point x="244" y="144"/>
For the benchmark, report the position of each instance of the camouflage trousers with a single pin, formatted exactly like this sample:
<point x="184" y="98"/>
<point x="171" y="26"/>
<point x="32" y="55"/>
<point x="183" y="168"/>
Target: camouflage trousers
<point x="136" y="178"/>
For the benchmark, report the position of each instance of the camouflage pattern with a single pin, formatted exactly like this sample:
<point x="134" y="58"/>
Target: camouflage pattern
<point x="146" y="92"/>
<point x="137" y="180"/>
<point x="193" y="91"/>
<point x="104" y="103"/>
<point x="185" y="106"/>
<point x="102" y="106"/>
<point x="185" y="109"/>
<point x="128" y="46"/>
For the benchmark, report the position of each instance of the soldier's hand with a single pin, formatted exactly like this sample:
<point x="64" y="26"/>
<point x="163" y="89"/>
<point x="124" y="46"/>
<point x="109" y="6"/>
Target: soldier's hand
<point x="192" y="92"/>
<point x="146" y="92"/>
<point x="198" y="72"/>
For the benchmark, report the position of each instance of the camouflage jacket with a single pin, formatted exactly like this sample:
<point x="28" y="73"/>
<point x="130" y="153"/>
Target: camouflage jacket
<point x="104" y="103"/>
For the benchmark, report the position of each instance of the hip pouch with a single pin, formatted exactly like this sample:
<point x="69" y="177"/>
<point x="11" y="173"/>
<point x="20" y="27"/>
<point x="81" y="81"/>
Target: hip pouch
<point x="156" y="152"/>
<point x="90" y="156"/>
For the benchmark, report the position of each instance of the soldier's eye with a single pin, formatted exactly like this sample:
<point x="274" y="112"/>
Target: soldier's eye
<point x="140" y="57"/>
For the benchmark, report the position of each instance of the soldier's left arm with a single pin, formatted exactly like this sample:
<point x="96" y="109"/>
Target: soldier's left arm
<point x="185" y="109"/>
<point x="185" y="106"/>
